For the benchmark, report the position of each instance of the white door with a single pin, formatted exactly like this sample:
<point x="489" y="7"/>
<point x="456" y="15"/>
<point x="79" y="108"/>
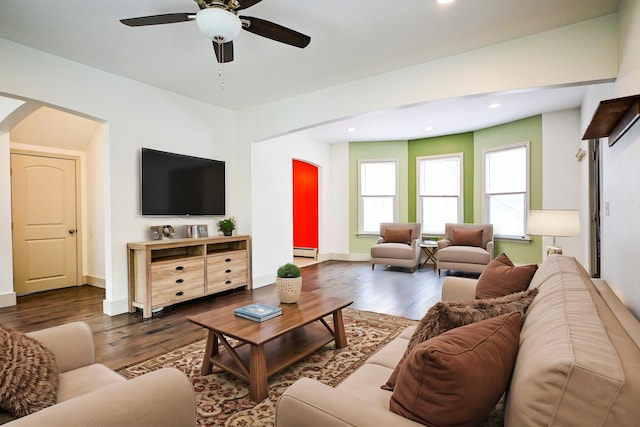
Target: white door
<point x="43" y="208"/>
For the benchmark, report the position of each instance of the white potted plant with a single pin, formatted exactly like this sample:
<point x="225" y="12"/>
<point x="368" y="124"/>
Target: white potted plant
<point x="289" y="283"/>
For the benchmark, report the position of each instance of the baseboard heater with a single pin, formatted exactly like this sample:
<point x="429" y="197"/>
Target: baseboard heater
<point x="306" y="252"/>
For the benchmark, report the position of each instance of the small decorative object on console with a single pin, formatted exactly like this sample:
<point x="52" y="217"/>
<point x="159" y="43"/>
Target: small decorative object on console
<point x="203" y="230"/>
<point x="258" y="312"/>
<point x="289" y="283"/>
<point x="156" y="232"/>
<point x="167" y="231"/>
<point x="227" y="226"/>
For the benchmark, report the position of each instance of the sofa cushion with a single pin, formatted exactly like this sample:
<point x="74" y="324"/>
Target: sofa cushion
<point x="500" y="277"/>
<point x="392" y="250"/>
<point x="30" y="374"/>
<point x="397" y="235"/>
<point x="567" y="363"/>
<point x="464" y="255"/>
<point x="466" y="237"/>
<point x="456" y="378"/>
<point x="444" y="316"/>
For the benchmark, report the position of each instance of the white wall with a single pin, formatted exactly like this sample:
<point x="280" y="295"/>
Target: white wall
<point x="94" y="235"/>
<point x="621" y="171"/>
<point x="137" y="115"/>
<point x="272" y="209"/>
<point x="7" y="295"/>
<point x="561" y="175"/>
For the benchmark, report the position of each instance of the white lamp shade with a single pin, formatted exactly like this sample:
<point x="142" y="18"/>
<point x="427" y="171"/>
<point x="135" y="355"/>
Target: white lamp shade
<point x="554" y="223"/>
<point x="218" y="24"/>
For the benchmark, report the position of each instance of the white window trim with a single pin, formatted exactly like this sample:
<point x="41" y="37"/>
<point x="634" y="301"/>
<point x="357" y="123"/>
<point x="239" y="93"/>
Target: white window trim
<point x="396" y="197"/>
<point x="460" y="156"/>
<point x="527" y="198"/>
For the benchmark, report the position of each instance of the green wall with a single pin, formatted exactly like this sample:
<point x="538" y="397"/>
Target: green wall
<point x="529" y="129"/>
<point x="472" y="145"/>
<point x="449" y="144"/>
<point x="374" y="151"/>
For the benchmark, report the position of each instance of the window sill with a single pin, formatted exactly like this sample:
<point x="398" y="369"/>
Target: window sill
<point x="525" y="239"/>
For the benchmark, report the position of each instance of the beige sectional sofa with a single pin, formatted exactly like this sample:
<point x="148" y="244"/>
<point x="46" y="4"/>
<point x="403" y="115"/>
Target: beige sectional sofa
<point x="90" y="394"/>
<point x="578" y="363"/>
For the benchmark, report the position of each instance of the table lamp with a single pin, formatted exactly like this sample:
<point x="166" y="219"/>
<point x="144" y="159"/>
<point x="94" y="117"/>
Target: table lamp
<point x="554" y="223"/>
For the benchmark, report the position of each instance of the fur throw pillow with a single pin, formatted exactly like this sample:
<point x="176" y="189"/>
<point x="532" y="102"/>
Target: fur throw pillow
<point x="445" y="316"/>
<point x="30" y="374"/>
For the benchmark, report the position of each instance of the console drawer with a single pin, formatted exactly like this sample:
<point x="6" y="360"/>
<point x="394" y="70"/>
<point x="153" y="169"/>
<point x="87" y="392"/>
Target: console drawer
<point x="226" y="271"/>
<point x="174" y="281"/>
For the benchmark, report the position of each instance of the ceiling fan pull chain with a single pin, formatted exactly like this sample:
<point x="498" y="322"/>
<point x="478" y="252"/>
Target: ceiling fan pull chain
<point x="221" y="63"/>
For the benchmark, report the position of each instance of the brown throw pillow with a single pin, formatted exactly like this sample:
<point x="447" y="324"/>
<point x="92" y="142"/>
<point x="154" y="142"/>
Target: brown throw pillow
<point x="456" y="378"/>
<point x="467" y="237"/>
<point x="30" y="374"/>
<point x="500" y="277"/>
<point x="445" y="316"/>
<point x="400" y="235"/>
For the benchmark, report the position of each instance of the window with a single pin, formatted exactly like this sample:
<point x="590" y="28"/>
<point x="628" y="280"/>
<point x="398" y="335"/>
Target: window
<point x="378" y="194"/>
<point x="439" y="192"/>
<point x="506" y="189"/>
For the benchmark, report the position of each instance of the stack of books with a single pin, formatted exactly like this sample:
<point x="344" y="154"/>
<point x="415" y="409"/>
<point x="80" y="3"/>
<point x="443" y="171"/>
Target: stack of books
<point x="258" y="312"/>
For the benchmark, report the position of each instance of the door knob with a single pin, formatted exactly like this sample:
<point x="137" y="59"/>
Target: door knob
<point x="72" y="231"/>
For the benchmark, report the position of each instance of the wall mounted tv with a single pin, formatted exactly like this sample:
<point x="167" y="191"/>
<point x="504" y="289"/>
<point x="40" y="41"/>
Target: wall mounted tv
<point x="175" y="184"/>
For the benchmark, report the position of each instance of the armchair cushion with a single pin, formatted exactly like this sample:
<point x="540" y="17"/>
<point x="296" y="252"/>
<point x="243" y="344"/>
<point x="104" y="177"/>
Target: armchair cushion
<point x="402" y="235"/>
<point x="500" y="277"/>
<point x="467" y="237"/>
<point x="444" y="316"/>
<point x="456" y="378"/>
<point x="30" y="374"/>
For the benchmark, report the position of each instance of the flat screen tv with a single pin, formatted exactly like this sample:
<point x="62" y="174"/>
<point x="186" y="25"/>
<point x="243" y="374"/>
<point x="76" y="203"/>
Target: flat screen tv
<point x="179" y="185"/>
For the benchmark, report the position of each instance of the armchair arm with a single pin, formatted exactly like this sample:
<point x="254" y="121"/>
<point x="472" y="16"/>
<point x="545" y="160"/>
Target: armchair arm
<point x="490" y="248"/>
<point x="458" y="288"/>
<point x="443" y="243"/>
<point x="311" y="403"/>
<point x="72" y="344"/>
<point x="160" y="398"/>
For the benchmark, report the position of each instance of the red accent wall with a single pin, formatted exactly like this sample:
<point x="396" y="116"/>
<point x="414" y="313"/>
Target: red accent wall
<point x="305" y="205"/>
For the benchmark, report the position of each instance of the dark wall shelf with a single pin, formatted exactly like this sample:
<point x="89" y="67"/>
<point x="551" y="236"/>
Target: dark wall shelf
<point x="613" y="118"/>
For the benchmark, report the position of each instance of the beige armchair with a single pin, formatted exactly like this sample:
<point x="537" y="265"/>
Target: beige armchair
<point x="90" y="394"/>
<point x="465" y="247"/>
<point x="398" y="245"/>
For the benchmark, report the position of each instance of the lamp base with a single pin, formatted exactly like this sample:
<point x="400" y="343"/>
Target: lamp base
<point x="554" y="250"/>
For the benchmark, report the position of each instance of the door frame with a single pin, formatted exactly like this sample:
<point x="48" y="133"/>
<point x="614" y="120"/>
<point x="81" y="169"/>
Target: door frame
<point x="77" y="158"/>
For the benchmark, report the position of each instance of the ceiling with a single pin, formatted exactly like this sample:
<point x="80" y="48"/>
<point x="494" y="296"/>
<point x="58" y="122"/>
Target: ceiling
<point x="350" y="40"/>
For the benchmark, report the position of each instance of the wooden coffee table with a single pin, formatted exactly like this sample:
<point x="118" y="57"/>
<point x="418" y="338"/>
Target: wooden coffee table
<point x="267" y="347"/>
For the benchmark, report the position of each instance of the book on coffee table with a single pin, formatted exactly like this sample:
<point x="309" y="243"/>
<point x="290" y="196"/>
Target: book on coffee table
<point x="258" y="312"/>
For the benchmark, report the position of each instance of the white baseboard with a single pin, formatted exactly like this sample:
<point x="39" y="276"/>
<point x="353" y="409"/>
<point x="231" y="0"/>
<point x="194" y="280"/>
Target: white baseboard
<point x="306" y="252"/>
<point x="115" y="307"/>
<point x="98" y="282"/>
<point x="8" y="299"/>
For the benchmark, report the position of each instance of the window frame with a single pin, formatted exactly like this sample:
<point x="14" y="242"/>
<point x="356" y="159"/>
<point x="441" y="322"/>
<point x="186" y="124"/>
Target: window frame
<point x="527" y="193"/>
<point x="361" y="198"/>
<point x="419" y="197"/>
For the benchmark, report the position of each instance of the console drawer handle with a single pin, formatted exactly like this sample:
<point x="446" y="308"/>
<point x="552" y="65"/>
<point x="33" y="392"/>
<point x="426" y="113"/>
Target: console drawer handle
<point x="180" y="281"/>
<point x="227" y="271"/>
<point x="180" y="268"/>
<point x="228" y="282"/>
<point x="227" y="260"/>
<point x="179" y="293"/>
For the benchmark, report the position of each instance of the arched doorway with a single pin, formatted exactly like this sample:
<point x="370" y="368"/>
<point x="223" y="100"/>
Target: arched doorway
<point x="305" y="209"/>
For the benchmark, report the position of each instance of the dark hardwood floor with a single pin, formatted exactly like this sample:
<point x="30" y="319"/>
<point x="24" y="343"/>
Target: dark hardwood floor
<point x="128" y="338"/>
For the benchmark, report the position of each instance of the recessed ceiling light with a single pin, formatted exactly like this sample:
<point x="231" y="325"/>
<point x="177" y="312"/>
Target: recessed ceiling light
<point x="444" y="1"/>
<point x="428" y="128"/>
<point x="351" y="129"/>
<point x="494" y="106"/>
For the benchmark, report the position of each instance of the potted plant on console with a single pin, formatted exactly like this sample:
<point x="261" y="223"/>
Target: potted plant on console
<point x="227" y="226"/>
<point x="289" y="283"/>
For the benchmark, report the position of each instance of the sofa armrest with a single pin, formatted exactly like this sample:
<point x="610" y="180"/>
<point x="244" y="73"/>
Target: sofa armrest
<point x="458" y="288"/>
<point x="72" y="344"/>
<point x="160" y="398"/>
<point x="311" y="403"/>
<point x="443" y="243"/>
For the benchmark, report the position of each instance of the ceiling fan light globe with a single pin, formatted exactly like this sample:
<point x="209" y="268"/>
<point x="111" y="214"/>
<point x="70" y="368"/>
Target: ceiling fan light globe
<point x="218" y="24"/>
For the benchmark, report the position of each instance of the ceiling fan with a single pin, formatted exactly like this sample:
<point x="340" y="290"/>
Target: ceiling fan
<point x="219" y="21"/>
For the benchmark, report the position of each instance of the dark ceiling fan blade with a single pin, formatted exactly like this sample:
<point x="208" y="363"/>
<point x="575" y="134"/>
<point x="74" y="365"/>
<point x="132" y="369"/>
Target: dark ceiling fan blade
<point x="246" y="4"/>
<point x="168" y="18"/>
<point x="275" y="32"/>
<point x="224" y="51"/>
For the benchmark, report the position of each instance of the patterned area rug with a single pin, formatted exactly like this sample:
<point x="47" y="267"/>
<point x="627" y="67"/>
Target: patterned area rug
<point x="222" y="400"/>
